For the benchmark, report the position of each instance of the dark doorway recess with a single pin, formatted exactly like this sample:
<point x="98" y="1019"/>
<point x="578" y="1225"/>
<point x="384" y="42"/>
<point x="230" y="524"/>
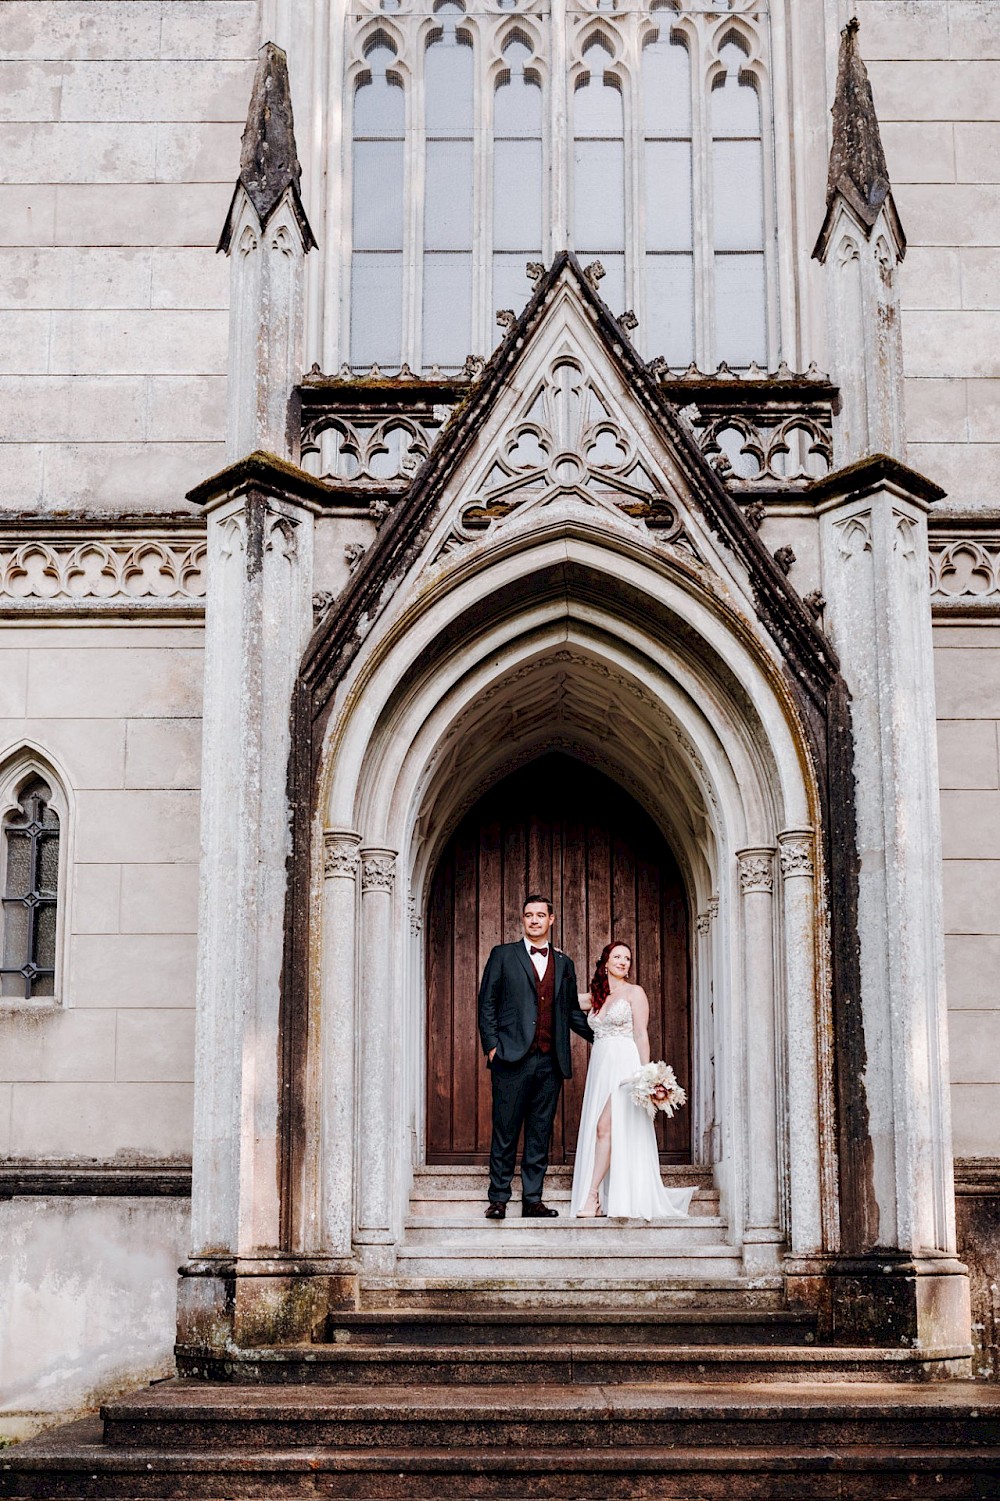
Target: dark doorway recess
<point x="555" y="825"/>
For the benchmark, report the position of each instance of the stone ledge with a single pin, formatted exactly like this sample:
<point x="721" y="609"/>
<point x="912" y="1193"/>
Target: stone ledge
<point x="94" y="1179"/>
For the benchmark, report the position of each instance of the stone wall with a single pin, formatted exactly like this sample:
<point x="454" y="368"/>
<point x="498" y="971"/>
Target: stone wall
<point x="967" y="660"/>
<point x="935" y="71"/>
<point x="120" y="130"/>
<point x="107" y="1071"/>
<point x="89" y="1289"/>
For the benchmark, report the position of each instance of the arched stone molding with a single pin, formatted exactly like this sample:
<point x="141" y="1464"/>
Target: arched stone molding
<point x="551" y="638"/>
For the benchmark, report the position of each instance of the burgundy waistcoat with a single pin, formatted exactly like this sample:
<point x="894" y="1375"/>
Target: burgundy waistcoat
<point x="546" y="987"/>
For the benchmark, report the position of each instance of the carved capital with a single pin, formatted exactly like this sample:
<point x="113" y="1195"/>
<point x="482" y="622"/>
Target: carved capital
<point x="341" y="853"/>
<point x="378" y="869"/>
<point x="756" y="870"/>
<point x="704" y="922"/>
<point x="796" y="853"/>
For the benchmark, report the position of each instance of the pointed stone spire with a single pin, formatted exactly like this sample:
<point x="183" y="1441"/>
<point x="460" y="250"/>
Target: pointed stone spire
<point x="858" y="175"/>
<point x="269" y="163"/>
<point x="267" y="238"/>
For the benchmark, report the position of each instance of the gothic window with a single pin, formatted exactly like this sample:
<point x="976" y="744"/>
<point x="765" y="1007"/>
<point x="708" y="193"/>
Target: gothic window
<point x="30" y="893"/>
<point x="517" y="173"/>
<point x="485" y="137"/>
<point x="379" y="203"/>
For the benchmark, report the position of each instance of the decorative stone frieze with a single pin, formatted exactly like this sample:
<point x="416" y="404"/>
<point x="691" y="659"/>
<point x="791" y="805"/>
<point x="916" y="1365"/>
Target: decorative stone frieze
<point x="965" y="564"/>
<point x="67" y="569"/>
<point x="341" y="855"/>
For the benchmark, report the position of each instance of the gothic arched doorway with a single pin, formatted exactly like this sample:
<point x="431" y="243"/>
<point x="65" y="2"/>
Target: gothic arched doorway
<point x="555" y="825"/>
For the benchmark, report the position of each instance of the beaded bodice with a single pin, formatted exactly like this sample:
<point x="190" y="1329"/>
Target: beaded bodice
<point x="613" y="1020"/>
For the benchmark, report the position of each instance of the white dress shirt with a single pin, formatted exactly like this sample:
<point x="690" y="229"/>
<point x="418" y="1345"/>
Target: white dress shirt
<point x="538" y="960"/>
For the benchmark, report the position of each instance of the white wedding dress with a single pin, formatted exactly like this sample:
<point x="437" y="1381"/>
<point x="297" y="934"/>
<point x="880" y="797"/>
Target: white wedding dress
<point x="632" y="1188"/>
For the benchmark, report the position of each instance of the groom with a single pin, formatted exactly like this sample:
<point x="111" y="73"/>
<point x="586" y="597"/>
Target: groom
<point x="528" y="1001"/>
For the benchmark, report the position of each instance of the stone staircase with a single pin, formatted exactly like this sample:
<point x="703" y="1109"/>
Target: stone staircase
<point x="516" y="1360"/>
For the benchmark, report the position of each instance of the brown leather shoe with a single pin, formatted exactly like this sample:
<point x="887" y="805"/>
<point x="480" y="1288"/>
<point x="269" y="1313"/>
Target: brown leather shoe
<point x="536" y="1210"/>
<point x="496" y="1211"/>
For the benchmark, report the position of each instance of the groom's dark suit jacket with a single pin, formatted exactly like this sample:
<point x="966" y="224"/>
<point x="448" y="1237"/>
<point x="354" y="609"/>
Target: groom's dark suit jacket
<point x="508" y="1006"/>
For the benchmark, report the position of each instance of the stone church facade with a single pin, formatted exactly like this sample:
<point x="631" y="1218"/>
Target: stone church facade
<point x="576" y="468"/>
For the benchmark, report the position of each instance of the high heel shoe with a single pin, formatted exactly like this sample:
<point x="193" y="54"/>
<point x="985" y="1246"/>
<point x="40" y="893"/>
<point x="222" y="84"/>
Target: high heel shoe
<point x="586" y="1213"/>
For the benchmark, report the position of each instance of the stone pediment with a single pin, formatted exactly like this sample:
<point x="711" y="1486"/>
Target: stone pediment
<point x="565" y="420"/>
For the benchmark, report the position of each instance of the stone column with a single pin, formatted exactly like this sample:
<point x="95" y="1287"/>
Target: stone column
<point x="762" y="1232"/>
<point x="341" y="862"/>
<point x="873" y="527"/>
<point x="258" y="618"/>
<point x="796" y="856"/>
<point x="375" y="1105"/>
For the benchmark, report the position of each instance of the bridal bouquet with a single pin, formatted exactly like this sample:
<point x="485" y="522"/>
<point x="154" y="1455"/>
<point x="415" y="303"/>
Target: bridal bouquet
<point x="654" y="1088"/>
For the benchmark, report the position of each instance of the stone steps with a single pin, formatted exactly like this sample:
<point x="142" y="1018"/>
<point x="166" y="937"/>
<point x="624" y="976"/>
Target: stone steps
<point x="839" y="1442"/>
<point x="516" y="1289"/>
<point x="522" y="1366"/>
<point x="625" y="1327"/>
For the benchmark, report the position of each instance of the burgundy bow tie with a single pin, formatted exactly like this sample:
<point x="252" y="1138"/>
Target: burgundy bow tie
<point x="543" y="952"/>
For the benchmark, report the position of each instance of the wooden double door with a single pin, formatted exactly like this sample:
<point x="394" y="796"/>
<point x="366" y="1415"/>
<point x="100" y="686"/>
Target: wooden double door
<point x="554" y="826"/>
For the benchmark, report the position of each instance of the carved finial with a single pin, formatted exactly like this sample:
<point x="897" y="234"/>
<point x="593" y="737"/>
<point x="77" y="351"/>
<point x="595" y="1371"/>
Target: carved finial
<point x="345" y="372"/>
<point x="690" y="414"/>
<point x="755" y="513"/>
<point x="815" y="603"/>
<point x="724" y="372"/>
<point x="785" y="557"/>
<point x="269" y="162"/>
<point x="754" y="372"/>
<point x="322" y="600"/>
<point x="315" y="373"/>
<point x="379" y="510"/>
<point x="375" y="373"/>
<point x="535" y="271"/>
<point x="506" y="318"/>
<point x="473" y="367"/>
<point x="858" y="174"/>
<point x="721" y="464"/>
<point x="353" y="553"/>
<point x="593" y="273"/>
<point x="405" y="373"/>
<point x="659" y="367"/>
<point x="435" y="373"/>
<point x="628" y="321"/>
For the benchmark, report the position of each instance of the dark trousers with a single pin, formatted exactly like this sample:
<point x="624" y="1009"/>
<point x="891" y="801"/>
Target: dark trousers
<point x="525" y="1094"/>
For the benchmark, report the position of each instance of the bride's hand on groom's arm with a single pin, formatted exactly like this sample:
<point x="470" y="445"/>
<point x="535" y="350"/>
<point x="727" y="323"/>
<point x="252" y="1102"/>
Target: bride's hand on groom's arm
<point x="584" y="1000"/>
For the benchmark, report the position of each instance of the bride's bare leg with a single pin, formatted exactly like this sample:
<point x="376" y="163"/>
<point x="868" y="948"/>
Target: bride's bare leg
<point x="602" y="1161"/>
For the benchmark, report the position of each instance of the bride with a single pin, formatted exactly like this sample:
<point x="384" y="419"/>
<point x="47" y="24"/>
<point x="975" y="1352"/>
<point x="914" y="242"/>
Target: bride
<point x="617" y="1169"/>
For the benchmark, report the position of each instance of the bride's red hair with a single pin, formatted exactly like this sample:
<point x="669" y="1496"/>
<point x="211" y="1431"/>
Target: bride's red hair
<point x="599" y="985"/>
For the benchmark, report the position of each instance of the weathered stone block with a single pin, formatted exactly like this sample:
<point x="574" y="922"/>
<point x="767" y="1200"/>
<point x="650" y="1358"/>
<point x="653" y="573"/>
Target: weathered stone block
<point x="138" y="827"/>
<point x="974" y="29"/>
<point x="984" y="410"/>
<point x="928" y="90"/>
<point x="950" y="343"/>
<point x="935" y="410"/>
<point x="191" y="276"/>
<point x="196" y="152"/>
<point x="930" y="277"/>
<point x="57" y="276"/>
<point x="196" y="89"/>
<point x="211" y="28"/>
<point x="187" y="408"/>
<point x="132" y="970"/>
<point x="73" y="684"/>
<point x="132" y="476"/>
<point x="132" y="214"/>
<point x="901" y="29"/>
<point x="968" y="682"/>
<point x="157" y="342"/>
<point x="970" y="825"/>
<point x="30" y="90"/>
<point x="974" y="1046"/>
<point x="75" y="30"/>
<point x="57" y="1045"/>
<point x="21" y="476"/>
<point x="57" y="151"/>
<point x="980" y="283"/>
<point x="921" y="152"/>
<point x="96" y="898"/>
<point x="6" y="1101"/>
<point x="939" y="214"/>
<point x="156" y="1046"/>
<point x="975" y="1110"/>
<point x="966" y="471"/>
<point x="972" y="963"/>
<point x="163" y="753"/>
<point x="27" y="214"/>
<point x="24" y="342"/>
<point x="13" y="682"/>
<point x="971" y="896"/>
<point x="71" y="408"/>
<point x="977" y="152"/>
<point x="967" y="753"/>
<point x="101" y="1120"/>
<point x="160" y="899"/>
